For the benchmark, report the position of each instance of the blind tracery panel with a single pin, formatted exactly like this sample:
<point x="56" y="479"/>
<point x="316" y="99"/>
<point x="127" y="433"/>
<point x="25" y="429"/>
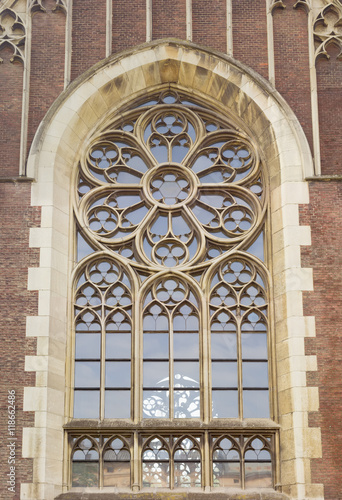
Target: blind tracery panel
<point x="172" y="290"/>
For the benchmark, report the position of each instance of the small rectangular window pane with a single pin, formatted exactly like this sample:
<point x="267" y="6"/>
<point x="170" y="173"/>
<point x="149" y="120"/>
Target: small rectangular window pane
<point x="87" y="374"/>
<point x="185" y="345"/>
<point x="88" y="345"/>
<point x="225" y="404"/>
<point x="223" y="346"/>
<point x="254" y="374"/>
<point x="186" y="374"/>
<point x="118" y="345"/>
<point x="258" y="475"/>
<point x="117" y="474"/>
<point x="117" y="404"/>
<point x="227" y="474"/>
<point x="187" y="474"/>
<point x="85" y="474"/>
<point x="86" y="404"/>
<point x="224" y="374"/>
<point x="118" y="374"/>
<point x="155" y="474"/>
<point x="256" y="404"/>
<point x="156" y="373"/>
<point x="254" y="345"/>
<point x="187" y="404"/>
<point x="156" y="345"/>
<point x="156" y="404"/>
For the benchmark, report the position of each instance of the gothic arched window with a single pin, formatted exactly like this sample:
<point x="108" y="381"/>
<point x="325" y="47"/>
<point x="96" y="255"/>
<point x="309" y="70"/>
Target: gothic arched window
<point x="171" y="310"/>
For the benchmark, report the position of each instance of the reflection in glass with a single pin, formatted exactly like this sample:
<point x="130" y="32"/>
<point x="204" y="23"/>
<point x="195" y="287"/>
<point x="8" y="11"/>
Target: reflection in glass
<point x="227" y="474"/>
<point x="187" y="404"/>
<point x="118" y="345"/>
<point x="156" y="345"/>
<point x="254" y="345"/>
<point x="223" y="346"/>
<point x="225" y="404"/>
<point x="256" y="404"/>
<point x="155" y="404"/>
<point x="117" y="404"/>
<point x="118" y="374"/>
<point x="116" y="467"/>
<point x="156" y="373"/>
<point x="224" y="374"/>
<point x="86" y="404"/>
<point x="87" y="374"/>
<point x="88" y="346"/>
<point x="254" y="374"/>
<point x="185" y="345"/>
<point x="258" y="475"/>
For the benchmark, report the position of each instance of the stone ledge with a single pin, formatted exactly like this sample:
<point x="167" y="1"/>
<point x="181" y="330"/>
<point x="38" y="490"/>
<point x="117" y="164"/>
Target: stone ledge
<point x="184" y="495"/>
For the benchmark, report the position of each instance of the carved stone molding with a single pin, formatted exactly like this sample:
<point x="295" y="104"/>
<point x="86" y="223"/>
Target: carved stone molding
<point x="274" y="4"/>
<point x="12" y="34"/>
<point x="38" y="5"/>
<point x="328" y="29"/>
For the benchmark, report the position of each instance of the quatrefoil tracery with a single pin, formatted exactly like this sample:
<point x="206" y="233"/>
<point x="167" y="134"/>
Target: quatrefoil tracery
<point x="171" y="184"/>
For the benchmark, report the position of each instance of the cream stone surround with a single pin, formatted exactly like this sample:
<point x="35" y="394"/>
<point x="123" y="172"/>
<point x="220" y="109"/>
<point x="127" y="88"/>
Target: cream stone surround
<point x="247" y="99"/>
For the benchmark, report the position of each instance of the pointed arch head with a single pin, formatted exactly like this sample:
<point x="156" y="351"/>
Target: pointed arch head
<point x="238" y="91"/>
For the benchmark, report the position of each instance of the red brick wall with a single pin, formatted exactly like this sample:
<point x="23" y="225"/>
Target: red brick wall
<point x="47" y="63"/>
<point x="16" y="217"/>
<point x="292" y="70"/>
<point x="329" y="83"/>
<point x="89" y="46"/>
<point x="11" y="89"/>
<point x="209" y="23"/>
<point x="129" y="29"/>
<point x="250" y="34"/>
<point x="324" y="215"/>
<point x="169" y="19"/>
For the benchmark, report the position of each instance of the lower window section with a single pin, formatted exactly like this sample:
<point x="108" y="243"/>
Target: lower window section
<point x="104" y="459"/>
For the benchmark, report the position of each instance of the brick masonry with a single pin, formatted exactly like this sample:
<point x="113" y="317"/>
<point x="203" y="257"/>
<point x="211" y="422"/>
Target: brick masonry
<point x="17" y="217"/>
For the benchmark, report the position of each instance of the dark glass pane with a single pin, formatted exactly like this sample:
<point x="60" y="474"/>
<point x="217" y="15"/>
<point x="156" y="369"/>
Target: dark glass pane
<point x="117" y="474"/>
<point x="86" y="404"/>
<point x="117" y="404"/>
<point x="87" y="374"/>
<point x="85" y="474"/>
<point x="224" y="374"/>
<point x="256" y="404"/>
<point x="254" y="345"/>
<point x="227" y="474"/>
<point x="223" y="346"/>
<point x="118" y="374"/>
<point x="118" y="345"/>
<point x="156" y="404"/>
<point x="156" y="374"/>
<point x="88" y="346"/>
<point x="258" y="475"/>
<point x="156" y="345"/>
<point x="185" y="345"/>
<point x="254" y="374"/>
<point x="225" y="404"/>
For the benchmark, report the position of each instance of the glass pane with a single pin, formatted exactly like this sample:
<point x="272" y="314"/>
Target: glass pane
<point x="118" y="374"/>
<point x="254" y="374"/>
<point x="118" y="345"/>
<point x="117" y="474"/>
<point x="87" y="374"/>
<point x="223" y="346"/>
<point x="258" y="475"/>
<point x="156" y="404"/>
<point x="156" y="474"/>
<point x="117" y="404"/>
<point x="187" y="474"/>
<point x="256" y="404"/>
<point x="156" y="374"/>
<point x="85" y="474"/>
<point x="86" y="404"/>
<point x="156" y="345"/>
<point x="225" y="404"/>
<point x="254" y="345"/>
<point x="88" y="346"/>
<point x="224" y="374"/>
<point x="186" y="374"/>
<point x="257" y="248"/>
<point x="187" y="404"/>
<point x="185" y="345"/>
<point x="227" y="474"/>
